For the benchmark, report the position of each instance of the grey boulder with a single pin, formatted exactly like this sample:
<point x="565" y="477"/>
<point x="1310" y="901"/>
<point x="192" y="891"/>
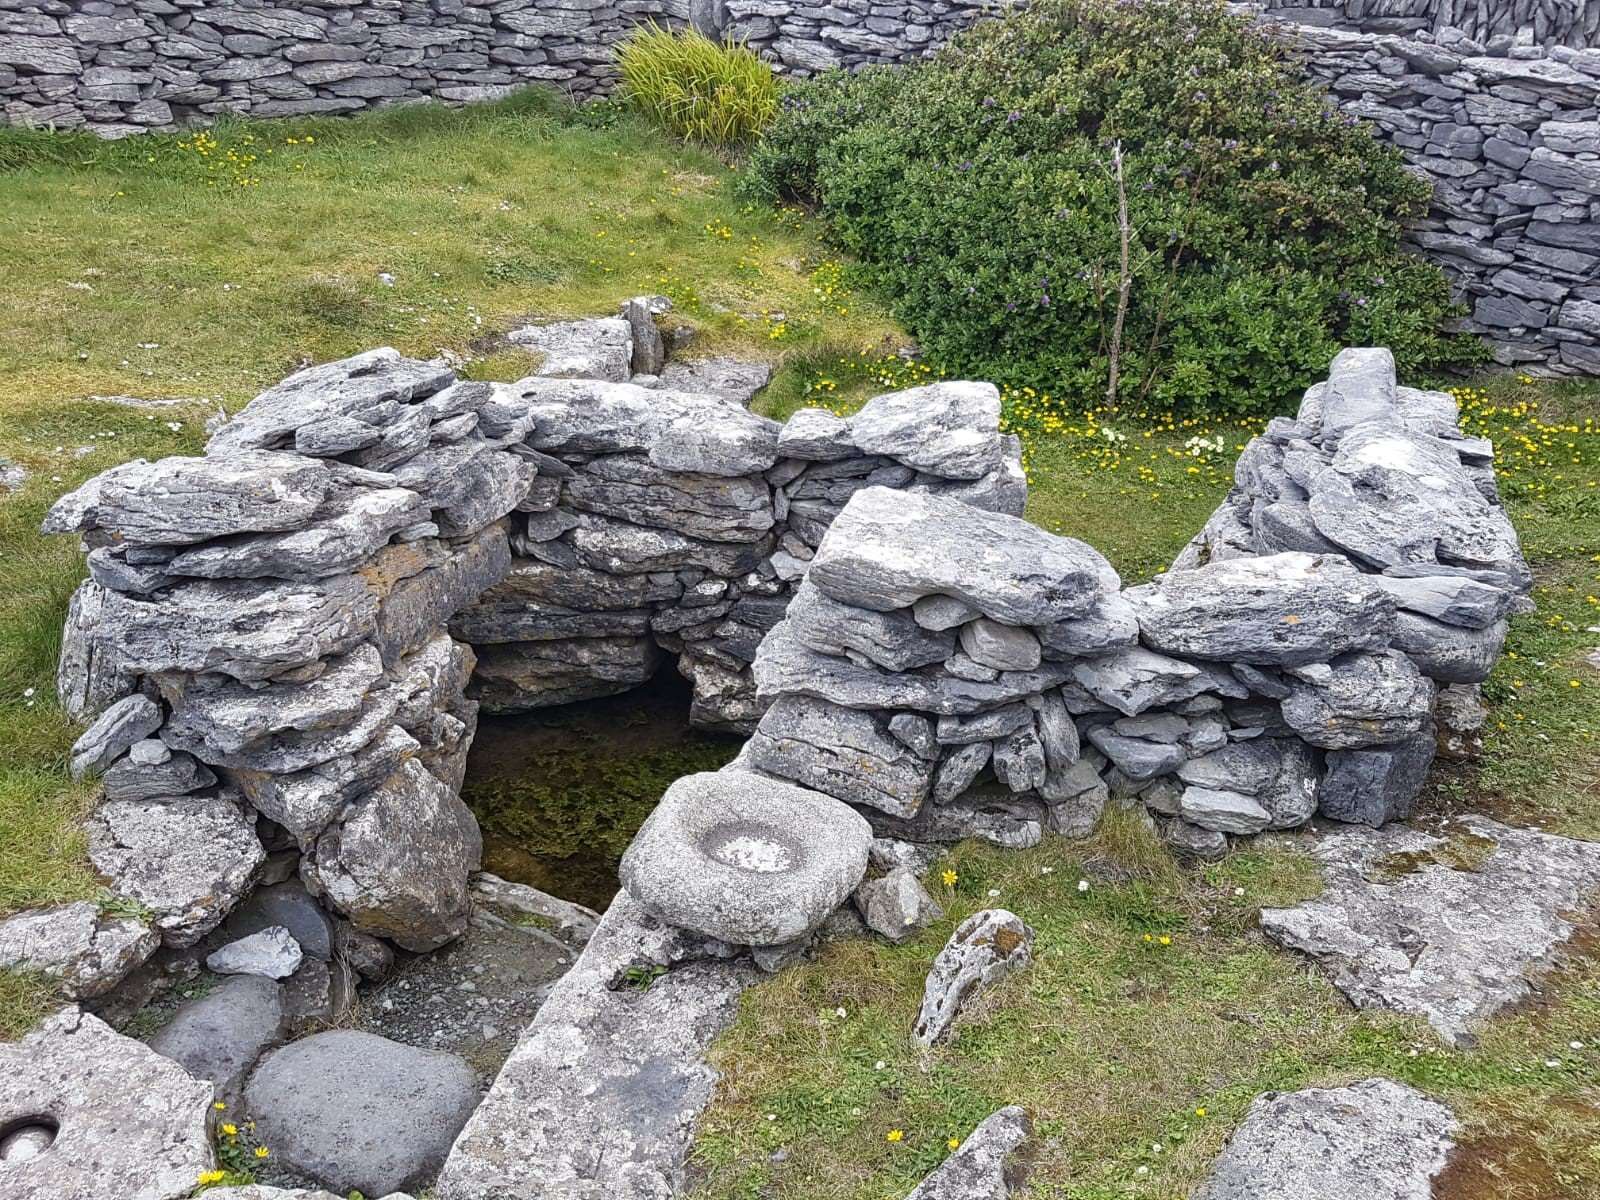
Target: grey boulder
<point x="1359" y="700"/>
<point x="845" y="753"/>
<point x="597" y="348"/>
<point x="946" y="429"/>
<point x="219" y="1036"/>
<point x="271" y="953"/>
<point x="984" y="949"/>
<point x="1277" y="610"/>
<point x="1376" y="784"/>
<point x="889" y="549"/>
<point x="1377" y="1139"/>
<point x="896" y="905"/>
<point x="87" y="952"/>
<point x="992" y="1163"/>
<point x="358" y="1112"/>
<point x="113" y="733"/>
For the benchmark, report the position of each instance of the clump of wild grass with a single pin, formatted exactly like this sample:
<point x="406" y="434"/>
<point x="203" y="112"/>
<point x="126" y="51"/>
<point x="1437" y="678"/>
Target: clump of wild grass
<point x="714" y="93"/>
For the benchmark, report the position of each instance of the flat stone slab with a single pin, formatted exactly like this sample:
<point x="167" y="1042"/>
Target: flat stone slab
<point x="358" y="1112"/>
<point x="128" y="1122"/>
<point x="1445" y="927"/>
<point x="1376" y="1140"/>
<point x="598" y="1100"/>
<point x="87" y="951"/>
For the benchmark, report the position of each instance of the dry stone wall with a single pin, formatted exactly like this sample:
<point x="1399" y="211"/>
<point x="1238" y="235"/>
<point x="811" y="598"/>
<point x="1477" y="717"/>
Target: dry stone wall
<point x="264" y="640"/>
<point x="1573" y="23"/>
<point x="955" y="673"/>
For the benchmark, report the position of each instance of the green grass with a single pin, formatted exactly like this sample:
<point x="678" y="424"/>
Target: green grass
<point x="714" y="93"/>
<point x="236" y="271"/>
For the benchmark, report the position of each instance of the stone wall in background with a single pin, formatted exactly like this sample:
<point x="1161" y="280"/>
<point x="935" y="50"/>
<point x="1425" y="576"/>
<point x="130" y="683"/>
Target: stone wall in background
<point x="1536" y="22"/>
<point x="1503" y="121"/>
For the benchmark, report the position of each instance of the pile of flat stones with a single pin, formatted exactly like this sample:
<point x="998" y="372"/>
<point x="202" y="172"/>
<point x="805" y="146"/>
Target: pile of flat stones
<point x="953" y="672"/>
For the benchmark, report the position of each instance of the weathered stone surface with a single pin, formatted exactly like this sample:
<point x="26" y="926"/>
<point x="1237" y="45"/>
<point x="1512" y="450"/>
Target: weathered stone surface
<point x="1452" y="928"/>
<point x="1222" y="811"/>
<point x="597" y="348"/>
<point x="1005" y="568"/>
<point x="113" y="733"/>
<point x="1377" y="1139"/>
<point x="992" y="1163"/>
<point x="1449" y="653"/>
<point x="1137" y="758"/>
<point x="842" y="752"/>
<point x="1359" y="700"/>
<point x="525" y="675"/>
<point x="946" y="429"/>
<point x="187" y="859"/>
<point x="1360" y="387"/>
<point x="397" y="865"/>
<point x="287" y="905"/>
<point x="1453" y="599"/>
<point x="1134" y="679"/>
<point x="359" y="1112"/>
<point x="219" y="1036"/>
<point x="271" y="953"/>
<point x="1280" y="773"/>
<point x="178" y="501"/>
<point x="130" y="1123"/>
<point x="598" y="1100"/>
<point x="746" y="859"/>
<point x="711" y="507"/>
<point x="816" y="435"/>
<point x="736" y="380"/>
<point x="896" y="905"/>
<point x="1278" y="610"/>
<point x="241" y="628"/>
<point x="1376" y="784"/>
<point x="984" y="949"/>
<point x="1003" y="647"/>
<point x="175" y="775"/>
<point x="88" y="952"/>
<point x="892" y="640"/>
<point x="345" y="531"/>
<point x="304" y="802"/>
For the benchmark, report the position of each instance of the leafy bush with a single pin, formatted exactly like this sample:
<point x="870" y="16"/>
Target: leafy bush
<point x="981" y="191"/>
<point x="719" y="94"/>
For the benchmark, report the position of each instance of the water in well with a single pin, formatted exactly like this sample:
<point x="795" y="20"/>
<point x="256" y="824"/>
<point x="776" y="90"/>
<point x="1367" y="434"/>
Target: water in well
<point x="560" y="792"/>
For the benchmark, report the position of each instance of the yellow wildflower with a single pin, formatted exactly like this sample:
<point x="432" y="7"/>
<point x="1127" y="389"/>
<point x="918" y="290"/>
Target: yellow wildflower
<point x="231" y="1130"/>
<point x="895" y="1135"/>
<point x="948" y="876"/>
<point x="953" y="1142"/>
<point x="261" y="1151"/>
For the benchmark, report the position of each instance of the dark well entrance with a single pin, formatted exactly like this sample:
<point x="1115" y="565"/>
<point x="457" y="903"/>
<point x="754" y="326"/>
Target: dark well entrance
<point x="560" y="791"/>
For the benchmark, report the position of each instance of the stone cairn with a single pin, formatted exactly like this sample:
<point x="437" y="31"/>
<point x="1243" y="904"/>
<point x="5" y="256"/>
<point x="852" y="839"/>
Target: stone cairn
<point x="953" y="672"/>
<point x="293" y="635"/>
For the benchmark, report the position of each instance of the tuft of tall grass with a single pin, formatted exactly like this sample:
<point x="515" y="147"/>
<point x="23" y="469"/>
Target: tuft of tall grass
<point x="714" y="93"/>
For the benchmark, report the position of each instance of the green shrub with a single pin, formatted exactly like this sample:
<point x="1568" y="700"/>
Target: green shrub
<point x="979" y="190"/>
<point x="719" y="94"/>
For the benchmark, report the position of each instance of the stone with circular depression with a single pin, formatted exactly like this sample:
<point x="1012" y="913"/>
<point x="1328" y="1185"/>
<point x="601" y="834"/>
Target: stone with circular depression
<point x="746" y="859"/>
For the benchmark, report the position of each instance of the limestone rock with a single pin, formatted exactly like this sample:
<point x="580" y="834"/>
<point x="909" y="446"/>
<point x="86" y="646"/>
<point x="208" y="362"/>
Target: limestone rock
<point x="1452" y="928"/>
<point x="88" y="952"/>
<point x="896" y="905"/>
<point x="1002" y="566"/>
<point x="985" y="948"/>
<point x="397" y="865"/>
<point x="735" y="380"/>
<point x="1003" y="647"/>
<point x="1280" y="773"/>
<point x="187" y="859"/>
<point x="1377" y="1139"/>
<point x="359" y="1112"/>
<point x="130" y="1123"/>
<point x="816" y="435"/>
<point x="1359" y="700"/>
<point x="992" y="1163"/>
<point x="271" y="953"/>
<point x="113" y="733"/>
<point x="947" y="429"/>
<point x="892" y="640"/>
<point x="175" y="775"/>
<point x="844" y="753"/>
<point x="525" y="675"/>
<point x="1222" y="811"/>
<point x="179" y="501"/>
<point x="596" y="348"/>
<point x="1279" y="610"/>
<point x="1376" y="784"/>
<point x="746" y="859"/>
<point x="219" y="1036"/>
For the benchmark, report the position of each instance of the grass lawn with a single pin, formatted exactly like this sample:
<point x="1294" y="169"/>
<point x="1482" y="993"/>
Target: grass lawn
<point x="207" y="267"/>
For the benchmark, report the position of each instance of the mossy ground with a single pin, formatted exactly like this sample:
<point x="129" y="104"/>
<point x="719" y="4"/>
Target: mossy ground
<point x="208" y="268"/>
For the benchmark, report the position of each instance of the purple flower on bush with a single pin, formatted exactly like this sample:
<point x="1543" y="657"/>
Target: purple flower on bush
<point x="1013" y="116"/>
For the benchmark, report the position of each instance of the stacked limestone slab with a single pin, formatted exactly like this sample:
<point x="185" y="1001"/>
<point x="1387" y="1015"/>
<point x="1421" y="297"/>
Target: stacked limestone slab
<point x="953" y="672"/>
<point x="283" y="645"/>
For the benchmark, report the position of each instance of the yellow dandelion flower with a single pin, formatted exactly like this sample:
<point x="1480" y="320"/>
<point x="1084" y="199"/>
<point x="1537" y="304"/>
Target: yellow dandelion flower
<point x="231" y="1130"/>
<point x="895" y="1135"/>
<point x="1165" y="940"/>
<point x="948" y="876"/>
<point x="953" y="1142"/>
<point x="261" y="1152"/>
<point x="207" y="1178"/>
<point x="219" y="1106"/>
<point x="1201" y="1111"/>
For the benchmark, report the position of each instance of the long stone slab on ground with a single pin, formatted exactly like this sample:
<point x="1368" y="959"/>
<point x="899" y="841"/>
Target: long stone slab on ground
<point x="1447" y="927"/>
<point x="598" y="1100"/>
<point x="1374" y="1140"/>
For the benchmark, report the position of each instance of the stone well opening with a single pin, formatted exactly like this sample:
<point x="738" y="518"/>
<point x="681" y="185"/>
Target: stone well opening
<point x="559" y="792"/>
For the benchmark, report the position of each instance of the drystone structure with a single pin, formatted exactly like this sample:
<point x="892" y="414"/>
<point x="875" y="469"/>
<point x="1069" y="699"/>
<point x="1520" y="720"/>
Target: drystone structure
<point x="300" y="627"/>
<point x="954" y="672"/>
<point x="1573" y="23"/>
